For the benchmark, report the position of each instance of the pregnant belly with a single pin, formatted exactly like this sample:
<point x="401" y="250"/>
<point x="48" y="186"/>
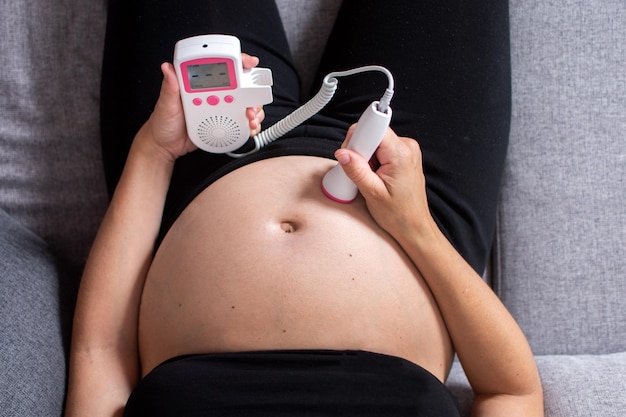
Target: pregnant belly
<point x="263" y="260"/>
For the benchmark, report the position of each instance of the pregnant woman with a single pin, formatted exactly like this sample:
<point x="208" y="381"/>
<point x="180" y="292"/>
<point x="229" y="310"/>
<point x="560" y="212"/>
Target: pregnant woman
<point x="221" y="286"/>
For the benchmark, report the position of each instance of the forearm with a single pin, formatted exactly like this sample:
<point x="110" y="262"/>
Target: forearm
<point x="491" y="347"/>
<point x="104" y="364"/>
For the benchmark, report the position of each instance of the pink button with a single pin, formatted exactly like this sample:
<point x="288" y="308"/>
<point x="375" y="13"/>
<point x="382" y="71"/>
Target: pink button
<point x="229" y="99"/>
<point x="197" y="101"/>
<point x="213" y="100"/>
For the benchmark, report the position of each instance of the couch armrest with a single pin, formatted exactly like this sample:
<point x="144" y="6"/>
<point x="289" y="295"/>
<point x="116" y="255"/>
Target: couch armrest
<point x="34" y="324"/>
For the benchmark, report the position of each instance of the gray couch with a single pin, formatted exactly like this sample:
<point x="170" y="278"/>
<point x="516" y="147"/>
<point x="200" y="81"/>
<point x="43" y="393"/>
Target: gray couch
<point x="559" y="256"/>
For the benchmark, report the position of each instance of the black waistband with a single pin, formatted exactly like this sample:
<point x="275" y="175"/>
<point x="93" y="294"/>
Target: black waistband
<point x="300" y="382"/>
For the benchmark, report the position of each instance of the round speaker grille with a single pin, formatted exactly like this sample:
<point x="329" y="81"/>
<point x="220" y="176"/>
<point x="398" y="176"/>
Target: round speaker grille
<point x="219" y="131"/>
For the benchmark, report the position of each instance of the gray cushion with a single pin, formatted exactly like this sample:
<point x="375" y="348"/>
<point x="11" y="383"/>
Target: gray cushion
<point x="33" y="328"/>
<point x="574" y="386"/>
<point x="50" y="165"/>
<point x="562" y="223"/>
<point x="584" y="385"/>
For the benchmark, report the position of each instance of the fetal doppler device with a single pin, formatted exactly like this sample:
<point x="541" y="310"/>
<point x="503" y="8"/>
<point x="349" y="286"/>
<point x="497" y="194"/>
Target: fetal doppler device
<point x="215" y="91"/>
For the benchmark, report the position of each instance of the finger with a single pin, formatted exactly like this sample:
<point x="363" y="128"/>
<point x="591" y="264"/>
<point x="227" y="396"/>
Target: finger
<point x="348" y="136"/>
<point x="170" y="82"/>
<point x="255" y="112"/>
<point x="259" y="119"/>
<point x="360" y="172"/>
<point x="254" y="123"/>
<point x="407" y="152"/>
<point x="249" y="61"/>
<point x="169" y="97"/>
<point x="260" y="116"/>
<point x="401" y="166"/>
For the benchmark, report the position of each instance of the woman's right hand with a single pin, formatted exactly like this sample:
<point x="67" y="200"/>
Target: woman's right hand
<point x="166" y="127"/>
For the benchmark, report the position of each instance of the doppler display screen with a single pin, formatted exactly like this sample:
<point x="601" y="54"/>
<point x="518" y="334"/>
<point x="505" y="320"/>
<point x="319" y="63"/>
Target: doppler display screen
<point x="205" y="76"/>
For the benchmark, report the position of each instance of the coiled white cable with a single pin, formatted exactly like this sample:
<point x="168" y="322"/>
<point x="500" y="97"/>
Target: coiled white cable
<point x="313" y="106"/>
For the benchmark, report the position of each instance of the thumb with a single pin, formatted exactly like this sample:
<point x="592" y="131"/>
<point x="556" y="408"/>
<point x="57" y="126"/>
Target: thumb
<point x="169" y="86"/>
<point x="169" y="103"/>
<point x="358" y="170"/>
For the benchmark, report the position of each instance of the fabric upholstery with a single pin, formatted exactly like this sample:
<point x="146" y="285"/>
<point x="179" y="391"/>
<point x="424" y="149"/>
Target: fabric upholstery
<point x="584" y="385"/>
<point x="50" y="165"/>
<point x="560" y="263"/>
<point x="573" y="385"/>
<point x="34" y="325"/>
<point x="562" y="223"/>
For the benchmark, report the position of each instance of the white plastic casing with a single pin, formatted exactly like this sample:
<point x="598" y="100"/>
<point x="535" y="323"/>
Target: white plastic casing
<point x="367" y="135"/>
<point x="215" y="91"/>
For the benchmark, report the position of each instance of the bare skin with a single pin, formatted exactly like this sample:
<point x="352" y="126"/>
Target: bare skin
<point x="291" y="270"/>
<point x="261" y="260"/>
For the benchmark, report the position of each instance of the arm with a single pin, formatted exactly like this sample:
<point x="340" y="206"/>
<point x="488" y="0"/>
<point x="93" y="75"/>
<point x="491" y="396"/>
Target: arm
<point x="104" y="366"/>
<point x="491" y="347"/>
<point x="104" y="363"/>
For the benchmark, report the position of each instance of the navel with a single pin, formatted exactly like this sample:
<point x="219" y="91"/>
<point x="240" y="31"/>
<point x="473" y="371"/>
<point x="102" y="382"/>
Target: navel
<point x="288" y="227"/>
